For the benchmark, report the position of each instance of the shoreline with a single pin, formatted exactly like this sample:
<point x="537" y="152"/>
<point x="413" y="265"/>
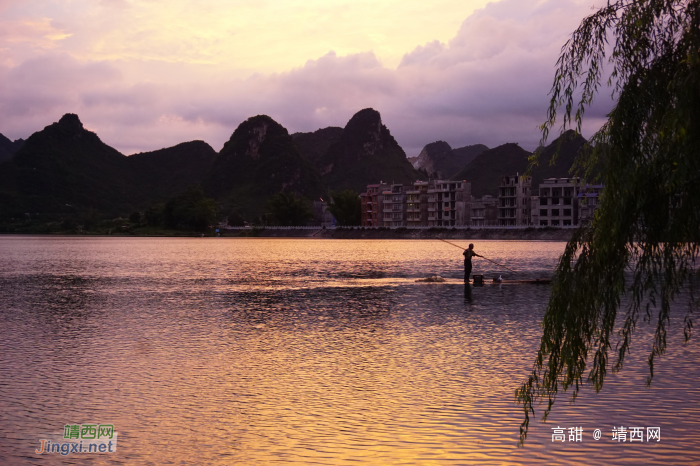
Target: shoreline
<point x="505" y="234"/>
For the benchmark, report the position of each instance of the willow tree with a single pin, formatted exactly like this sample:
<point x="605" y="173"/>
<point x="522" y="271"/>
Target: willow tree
<point x="640" y="251"/>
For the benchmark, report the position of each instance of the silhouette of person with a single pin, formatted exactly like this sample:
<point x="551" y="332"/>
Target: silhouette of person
<point x="468" y="254"/>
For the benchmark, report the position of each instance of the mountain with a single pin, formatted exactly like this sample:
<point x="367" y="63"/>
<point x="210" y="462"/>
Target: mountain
<point x="260" y="160"/>
<point x="442" y="161"/>
<point x="66" y="167"/>
<point x="486" y="169"/>
<point x="313" y="146"/>
<point x="365" y="153"/>
<point x="164" y="173"/>
<point x="464" y="155"/>
<point x="8" y="148"/>
<point x="571" y="145"/>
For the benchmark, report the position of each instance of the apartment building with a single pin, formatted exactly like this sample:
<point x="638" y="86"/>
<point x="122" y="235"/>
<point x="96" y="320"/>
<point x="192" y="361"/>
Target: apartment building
<point x="559" y="201"/>
<point x="422" y="203"/>
<point x="484" y="211"/>
<point x="394" y="209"/>
<point x="371" y="206"/>
<point x="417" y="204"/>
<point x="514" y="200"/>
<point x="448" y="203"/>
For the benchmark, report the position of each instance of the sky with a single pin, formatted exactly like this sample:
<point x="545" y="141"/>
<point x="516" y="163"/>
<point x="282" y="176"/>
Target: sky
<point x="150" y="74"/>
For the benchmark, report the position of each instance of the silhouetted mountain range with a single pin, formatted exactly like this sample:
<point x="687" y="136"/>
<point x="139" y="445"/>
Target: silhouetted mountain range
<point x="313" y="146"/>
<point x="8" y="148"/>
<point x="260" y="160"/>
<point x="365" y="153"/>
<point x="486" y="169"/>
<point x="440" y="160"/>
<point x="163" y="173"/>
<point x="65" y="169"/>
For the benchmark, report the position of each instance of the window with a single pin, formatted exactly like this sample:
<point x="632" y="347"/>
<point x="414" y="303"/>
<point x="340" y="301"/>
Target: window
<point x="555" y="223"/>
<point x="567" y="212"/>
<point x="543" y="201"/>
<point x="524" y="211"/>
<point x="567" y="222"/>
<point x="555" y="212"/>
<point x="543" y="223"/>
<point x="555" y="201"/>
<point x="524" y="190"/>
<point x="567" y="201"/>
<point x="544" y="192"/>
<point x="543" y="212"/>
<point x="556" y="192"/>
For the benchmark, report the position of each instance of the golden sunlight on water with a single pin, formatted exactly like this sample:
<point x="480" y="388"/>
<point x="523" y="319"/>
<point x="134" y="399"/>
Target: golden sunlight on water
<point x="303" y="351"/>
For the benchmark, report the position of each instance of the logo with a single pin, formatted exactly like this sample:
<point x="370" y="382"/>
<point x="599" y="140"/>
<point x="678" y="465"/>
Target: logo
<point x="80" y="438"/>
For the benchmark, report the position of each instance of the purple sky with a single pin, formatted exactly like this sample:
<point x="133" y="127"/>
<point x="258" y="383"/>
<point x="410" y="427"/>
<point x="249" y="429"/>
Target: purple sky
<point x="486" y="81"/>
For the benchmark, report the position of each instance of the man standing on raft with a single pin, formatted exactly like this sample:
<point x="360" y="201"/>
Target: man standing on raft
<point x="468" y="254"/>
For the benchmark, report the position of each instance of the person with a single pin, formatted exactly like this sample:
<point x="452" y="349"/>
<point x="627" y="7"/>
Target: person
<point x="468" y="254"/>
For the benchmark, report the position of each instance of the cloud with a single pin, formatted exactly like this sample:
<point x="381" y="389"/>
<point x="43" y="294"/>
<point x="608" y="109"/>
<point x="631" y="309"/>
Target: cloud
<point x="488" y="84"/>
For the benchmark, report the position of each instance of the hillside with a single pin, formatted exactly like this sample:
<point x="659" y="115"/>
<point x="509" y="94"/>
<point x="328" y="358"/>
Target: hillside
<point x="463" y="156"/>
<point x="440" y="160"/>
<point x="64" y="167"/>
<point x="258" y="161"/>
<point x="9" y="148"/>
<point x="485" y="170"/>
<point x="164" y="173"/>
<point x="571" y="145"/>
<point x="365" y="153"/>
<point x="508" y="159"/>
<point x="312" y="146"/>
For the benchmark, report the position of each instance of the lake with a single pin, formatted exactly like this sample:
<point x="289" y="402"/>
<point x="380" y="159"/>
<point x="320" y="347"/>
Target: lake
<point x="307" y="351"/>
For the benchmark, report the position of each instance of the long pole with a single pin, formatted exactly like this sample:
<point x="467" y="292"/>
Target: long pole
<point x="460" y="247"/>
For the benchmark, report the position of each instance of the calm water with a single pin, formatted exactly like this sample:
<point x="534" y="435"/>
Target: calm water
<point x="304" y="351"/>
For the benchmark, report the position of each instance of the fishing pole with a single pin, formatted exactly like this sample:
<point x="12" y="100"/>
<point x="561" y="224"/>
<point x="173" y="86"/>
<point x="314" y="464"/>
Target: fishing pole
<point x="460" y="247"/>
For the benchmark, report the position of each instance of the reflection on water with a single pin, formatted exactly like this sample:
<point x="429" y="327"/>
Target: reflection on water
<point x="259" y="351"/>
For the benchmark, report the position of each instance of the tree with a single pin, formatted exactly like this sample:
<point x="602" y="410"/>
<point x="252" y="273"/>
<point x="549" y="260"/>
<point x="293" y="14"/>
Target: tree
<point x="190" y="209"/>
<point x="288" y="210"/>
<point x="154" y="215"/>
<point x="135" y="217"/>
<point x="346" y="207"/>
<point x="643" y="242"/>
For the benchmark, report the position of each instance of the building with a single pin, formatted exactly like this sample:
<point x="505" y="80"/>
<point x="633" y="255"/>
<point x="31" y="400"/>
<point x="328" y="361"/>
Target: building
<point x="419" y="204"/>
<point x="484" y="212"/>
<point x="371" y="208"/>
<point x="559" y="201"/>
<point x="514" y="200"/>
<point x="449" y="203"/>
<point x="588" y="200"/>
<point x="394" y="209"/>
<point x="534" y="210"/>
